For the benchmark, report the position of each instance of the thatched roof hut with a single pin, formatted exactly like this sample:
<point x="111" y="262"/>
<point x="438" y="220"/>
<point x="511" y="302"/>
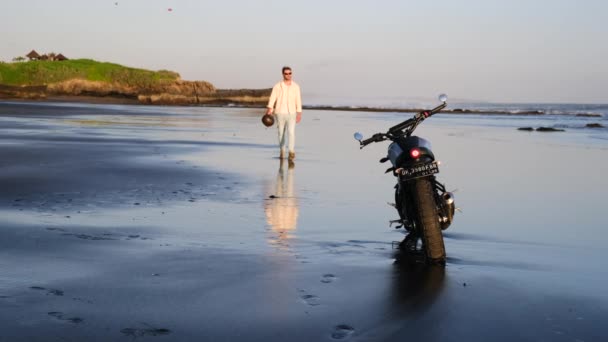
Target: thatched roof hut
<point x="61" y="57"/>
<point x="33" y="55"/>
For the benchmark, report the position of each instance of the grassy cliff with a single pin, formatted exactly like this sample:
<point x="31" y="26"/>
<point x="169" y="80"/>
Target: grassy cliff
<point x="88" y="78"/>
<point x="34" y="73"/>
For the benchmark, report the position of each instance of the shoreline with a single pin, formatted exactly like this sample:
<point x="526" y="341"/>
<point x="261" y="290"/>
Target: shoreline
<point x="444" y="111"/>
<point x="230" y="103"/>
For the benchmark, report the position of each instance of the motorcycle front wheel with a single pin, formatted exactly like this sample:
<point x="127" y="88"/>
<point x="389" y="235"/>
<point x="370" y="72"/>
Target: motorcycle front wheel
<point x="427" y="220"/>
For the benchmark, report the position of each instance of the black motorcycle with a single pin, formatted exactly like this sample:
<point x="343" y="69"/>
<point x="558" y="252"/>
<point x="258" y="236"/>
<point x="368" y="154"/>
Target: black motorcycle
<point x="425" y="207"/>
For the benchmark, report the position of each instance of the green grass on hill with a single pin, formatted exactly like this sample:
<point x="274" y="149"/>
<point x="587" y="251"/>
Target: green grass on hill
<point x="45" y="72"/>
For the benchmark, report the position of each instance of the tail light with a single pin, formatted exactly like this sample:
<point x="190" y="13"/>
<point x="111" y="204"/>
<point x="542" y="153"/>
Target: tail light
<point x="415" y="153"/>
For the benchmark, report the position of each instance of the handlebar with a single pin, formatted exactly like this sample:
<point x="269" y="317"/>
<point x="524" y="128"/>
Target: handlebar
<point x="418" y="117"/>
<point x="397" y="129"/>
<point x="367" y="142"/>
<point x="375" y="138"/>
<point x="438" y="108"/>
<point x="402" y="125"/>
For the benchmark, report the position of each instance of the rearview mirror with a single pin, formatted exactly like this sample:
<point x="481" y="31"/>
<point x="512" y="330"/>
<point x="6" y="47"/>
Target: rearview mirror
<point x="358" y="136"/>
<point x="443" y="98"/>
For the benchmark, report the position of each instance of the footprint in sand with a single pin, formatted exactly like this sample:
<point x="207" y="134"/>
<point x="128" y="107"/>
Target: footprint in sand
<point x="302" y="259"/>
<point x="88" y="237"/>
<point x="151" y="331"/>
<point x="309" y="299"/>
<point x="56" y="229"/>
<point x="136" y="237"/>
<point x="104" y="236"/>
<point x="328" y="278"/>
<point x="60" y="316"/>
<point x="83" y="300"/>
<point x="48" y="291"/>
<point x="342" y="331"/>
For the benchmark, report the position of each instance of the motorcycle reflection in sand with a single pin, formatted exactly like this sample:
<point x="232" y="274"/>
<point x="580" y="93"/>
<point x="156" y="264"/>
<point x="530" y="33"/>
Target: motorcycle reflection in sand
<point x="416" y="285"/>
<point x="413" y="305"/>
<point x="416" y="289"/>
<point x="281" y="206"/>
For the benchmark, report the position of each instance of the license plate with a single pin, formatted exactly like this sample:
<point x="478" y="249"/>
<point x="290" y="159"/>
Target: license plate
<point x="418" y="171"/>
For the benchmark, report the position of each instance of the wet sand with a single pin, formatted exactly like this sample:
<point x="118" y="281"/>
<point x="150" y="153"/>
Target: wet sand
<point x="179" y="223"/>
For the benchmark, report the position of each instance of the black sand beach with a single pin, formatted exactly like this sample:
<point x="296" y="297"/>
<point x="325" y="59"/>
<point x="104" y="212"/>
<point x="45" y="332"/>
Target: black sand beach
<point x="144" y="223"/>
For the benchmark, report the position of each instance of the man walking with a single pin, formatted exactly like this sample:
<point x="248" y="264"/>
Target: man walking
<point x="286" y="102"/>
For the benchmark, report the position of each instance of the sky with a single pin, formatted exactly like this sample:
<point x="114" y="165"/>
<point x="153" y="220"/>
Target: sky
<point x="345" y="51"/>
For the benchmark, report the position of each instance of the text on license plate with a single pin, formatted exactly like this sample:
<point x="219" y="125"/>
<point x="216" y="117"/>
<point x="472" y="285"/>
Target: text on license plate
<point x="418" y="170"/>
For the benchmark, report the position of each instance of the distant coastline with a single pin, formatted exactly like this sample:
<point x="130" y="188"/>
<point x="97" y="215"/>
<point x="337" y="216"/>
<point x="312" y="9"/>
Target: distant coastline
<point x="248" y="101"/>
<point x="444" y="111"/>
<point x="89" y="81"/>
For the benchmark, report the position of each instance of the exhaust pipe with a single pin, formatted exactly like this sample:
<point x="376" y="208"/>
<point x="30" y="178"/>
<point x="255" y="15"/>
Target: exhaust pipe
<point x="448" y="199"/>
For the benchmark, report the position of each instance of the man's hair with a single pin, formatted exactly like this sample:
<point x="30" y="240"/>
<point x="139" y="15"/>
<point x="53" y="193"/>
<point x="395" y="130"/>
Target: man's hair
<point x="285" y="68"/>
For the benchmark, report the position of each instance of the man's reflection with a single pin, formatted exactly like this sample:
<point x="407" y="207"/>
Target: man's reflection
<point x="282" y="206"/>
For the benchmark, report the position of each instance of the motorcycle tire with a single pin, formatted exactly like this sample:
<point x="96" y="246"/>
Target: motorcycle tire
<point x="427" y="221"/>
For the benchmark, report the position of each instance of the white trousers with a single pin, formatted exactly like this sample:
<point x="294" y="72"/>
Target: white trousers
<point x="287" y="122"/>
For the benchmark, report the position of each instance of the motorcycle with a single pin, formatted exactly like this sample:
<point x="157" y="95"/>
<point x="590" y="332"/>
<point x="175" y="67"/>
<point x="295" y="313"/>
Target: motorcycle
<point x="424" y="206"/>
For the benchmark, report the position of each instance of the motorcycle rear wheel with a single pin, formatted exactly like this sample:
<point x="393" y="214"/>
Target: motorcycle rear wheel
<point x="427" y="220"/>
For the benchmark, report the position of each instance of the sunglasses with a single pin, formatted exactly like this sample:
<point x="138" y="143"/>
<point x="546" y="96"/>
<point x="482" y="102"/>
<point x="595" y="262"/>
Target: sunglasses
<point x="287" y="74"/>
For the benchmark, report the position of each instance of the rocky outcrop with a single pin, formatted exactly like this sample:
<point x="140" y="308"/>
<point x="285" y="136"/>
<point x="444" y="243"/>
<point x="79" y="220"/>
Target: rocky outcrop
<point x="23" y="92"/>
<point x="549" y="129"/>
<point x="174" y="92"/>
<point x="77" y="87"/>
<point x="541" y="129"/>
<point x="589" y="115"/>
<point x="201" y="93"/>
<point x="178" y="89"/>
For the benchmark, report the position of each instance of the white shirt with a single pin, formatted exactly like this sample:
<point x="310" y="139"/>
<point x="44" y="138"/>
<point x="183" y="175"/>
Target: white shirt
<point x="286" y="98"/>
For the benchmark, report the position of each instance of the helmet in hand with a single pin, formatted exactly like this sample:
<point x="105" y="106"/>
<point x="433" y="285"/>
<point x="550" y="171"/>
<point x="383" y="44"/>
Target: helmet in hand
<point x="268" y="120"/>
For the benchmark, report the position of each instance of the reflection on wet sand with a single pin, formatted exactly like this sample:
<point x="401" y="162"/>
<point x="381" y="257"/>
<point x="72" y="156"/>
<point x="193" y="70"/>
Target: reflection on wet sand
<point x="417" y="286"/>
<point x="409" y="314"/>
<point x="282" y="206"/>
